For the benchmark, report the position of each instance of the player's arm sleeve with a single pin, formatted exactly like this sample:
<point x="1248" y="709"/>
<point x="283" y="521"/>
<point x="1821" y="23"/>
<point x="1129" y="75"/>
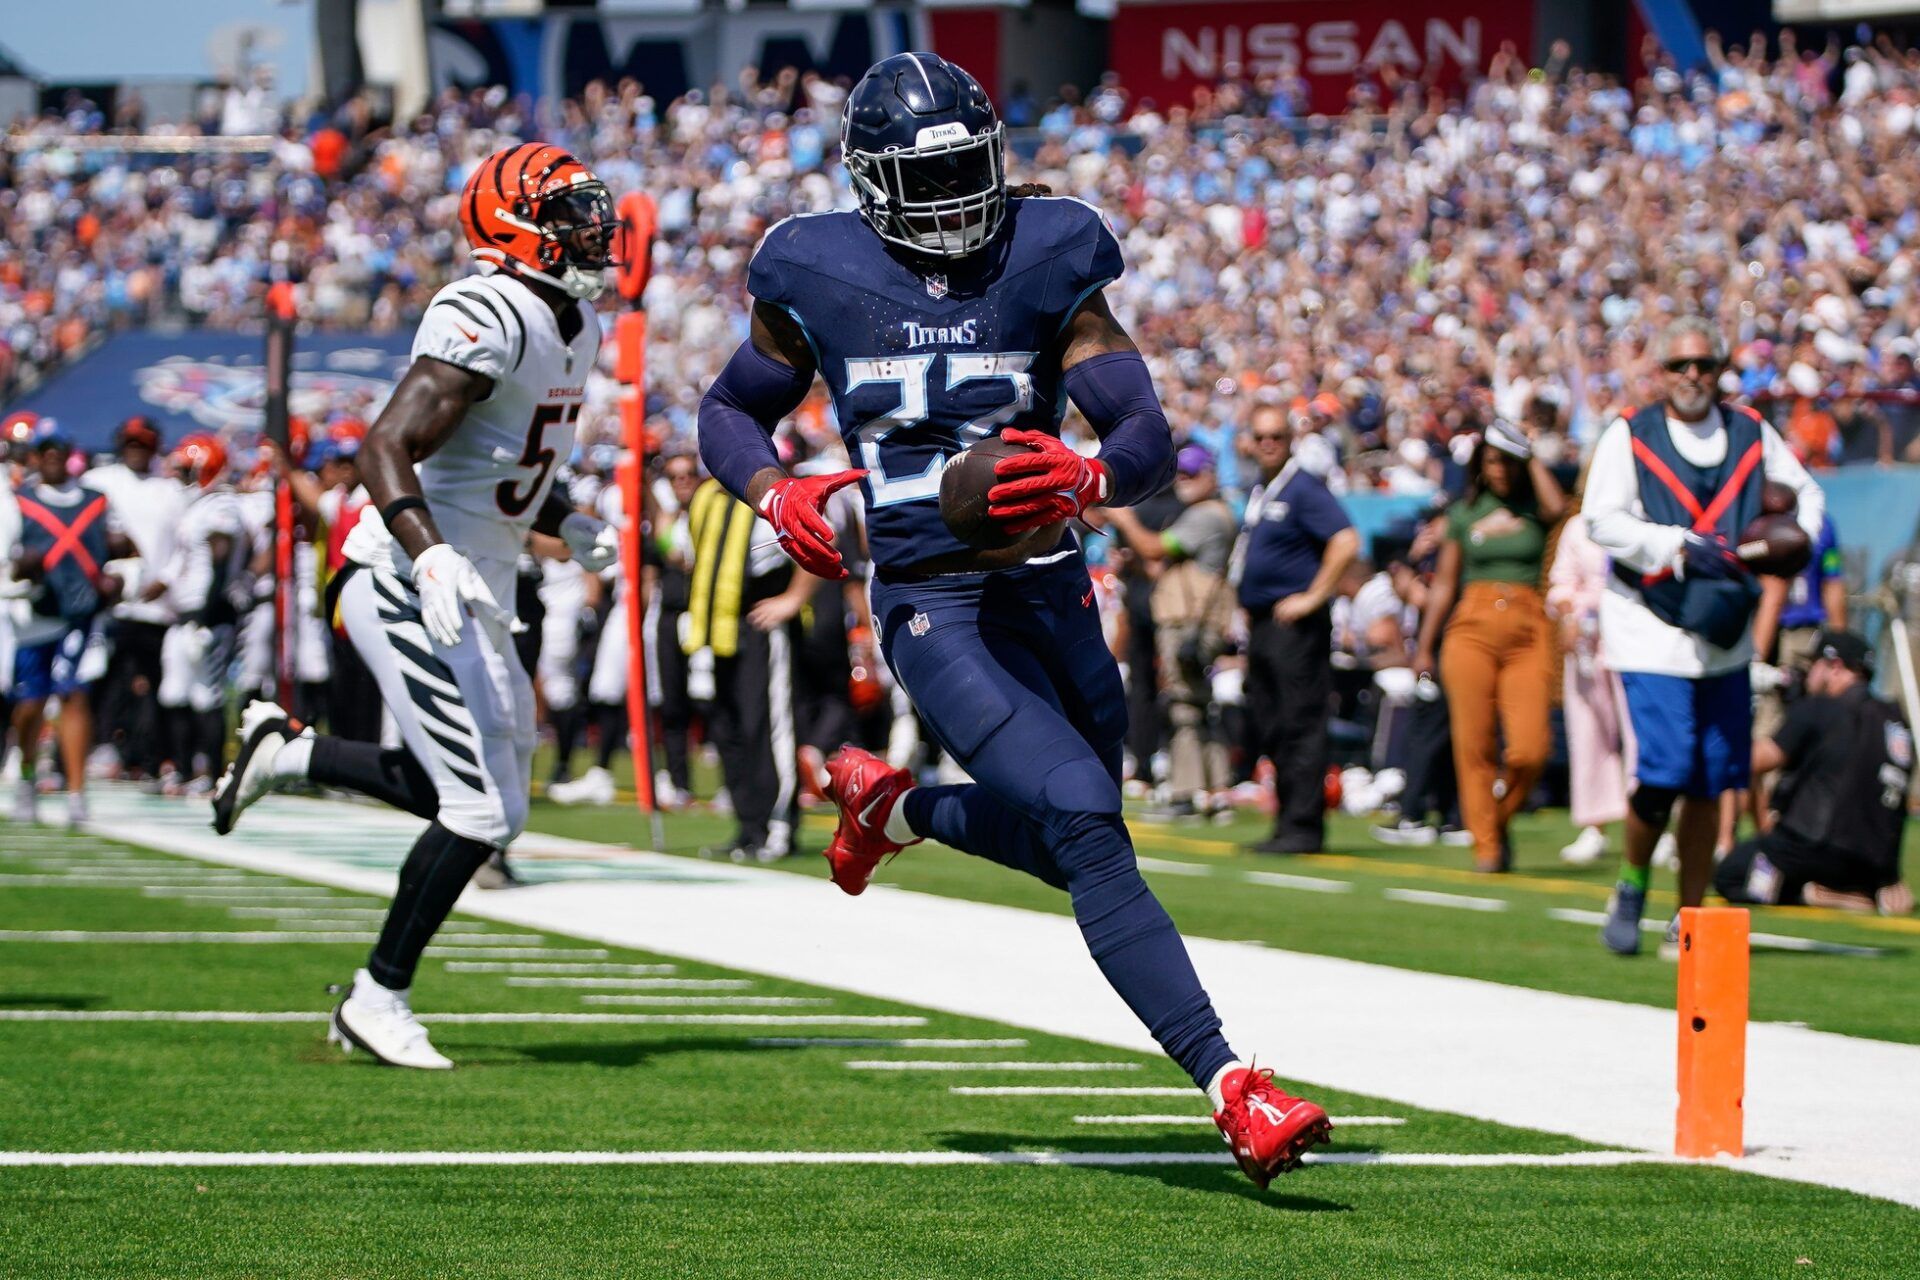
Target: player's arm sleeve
<point x="740" y="411"/>
<point x="474" y="328"/>
<point x="1612" y="490"/>
<point x="1777" y="460"/>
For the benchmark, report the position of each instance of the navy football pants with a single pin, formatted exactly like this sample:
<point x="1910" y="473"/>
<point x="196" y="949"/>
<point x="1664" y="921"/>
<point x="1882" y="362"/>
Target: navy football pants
<point x="1011" y="674"/>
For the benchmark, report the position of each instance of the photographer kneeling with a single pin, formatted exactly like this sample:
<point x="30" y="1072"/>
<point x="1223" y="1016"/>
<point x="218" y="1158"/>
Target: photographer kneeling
<point x="1842" y="799"/>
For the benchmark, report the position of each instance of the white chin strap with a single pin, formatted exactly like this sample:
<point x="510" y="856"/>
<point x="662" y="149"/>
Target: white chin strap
<point x="575" y="282"/>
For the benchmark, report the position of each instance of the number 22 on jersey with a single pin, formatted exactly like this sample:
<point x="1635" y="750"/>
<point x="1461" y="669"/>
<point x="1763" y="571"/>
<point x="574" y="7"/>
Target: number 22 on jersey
<point x="915" y="389"/>
<point x="537" y="455"/>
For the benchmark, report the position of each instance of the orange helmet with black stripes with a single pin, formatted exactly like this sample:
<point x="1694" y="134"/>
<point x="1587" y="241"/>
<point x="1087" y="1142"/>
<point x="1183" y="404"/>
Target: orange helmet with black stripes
<point x="536" y="211"/>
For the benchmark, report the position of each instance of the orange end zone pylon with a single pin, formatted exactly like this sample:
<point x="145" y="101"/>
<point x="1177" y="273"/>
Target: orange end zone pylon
<point x="638" y="217"/>
<point x="1713" y="1032"/>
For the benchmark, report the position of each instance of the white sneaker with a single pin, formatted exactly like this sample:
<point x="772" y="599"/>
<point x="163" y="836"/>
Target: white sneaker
<point x="1587" y="848"/>
<point x="382" y="1022"/>
<point x="26" y="801"/>
<point x="668" y="796"/>
<point x="76" y="810"/>
<point x="595" y="786"/>
<point x="1666" y="852"/>
<point x="264" y="729"/>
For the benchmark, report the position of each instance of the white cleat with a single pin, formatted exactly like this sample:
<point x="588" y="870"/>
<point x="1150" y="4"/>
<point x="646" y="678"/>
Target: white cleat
<point x="26" y="801"/>
<point x="264" y="729"/>
<point x="1587" y="848"/>
<point x="382" y="1022"/>
<point x="1666" y="852"/>
<point x="595" y="786"/>
<point x="76" y="810"/>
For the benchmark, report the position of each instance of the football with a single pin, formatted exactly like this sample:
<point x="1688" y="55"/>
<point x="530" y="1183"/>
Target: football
<point x="1774" y="544"/>
<point x="963" y="500"/>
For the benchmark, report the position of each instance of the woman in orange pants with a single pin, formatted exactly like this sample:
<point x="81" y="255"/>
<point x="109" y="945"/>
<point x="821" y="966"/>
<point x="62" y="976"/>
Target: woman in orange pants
<point x="1498" y="663"/>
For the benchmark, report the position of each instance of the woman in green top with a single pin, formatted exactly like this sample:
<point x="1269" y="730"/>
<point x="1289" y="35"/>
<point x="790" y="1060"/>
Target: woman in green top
<point x="1498" y="667"/>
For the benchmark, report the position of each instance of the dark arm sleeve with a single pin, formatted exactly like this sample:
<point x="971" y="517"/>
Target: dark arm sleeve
<point x="1116" y="394"/>
<point x="740" y="411"/>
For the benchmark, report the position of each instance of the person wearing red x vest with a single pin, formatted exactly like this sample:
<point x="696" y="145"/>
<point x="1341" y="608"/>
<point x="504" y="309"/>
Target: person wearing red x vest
<point x="62" y="548"/>
<point x="1668" y="490"/>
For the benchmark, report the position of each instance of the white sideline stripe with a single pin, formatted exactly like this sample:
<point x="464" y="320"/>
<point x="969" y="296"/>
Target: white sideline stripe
<point x="1170" y="868"/>
<point x="1072" y="1091"/>
<point x="502" y="953"/>
<point x="464" y="966"/>
<point x="1069" y="1159"/>
<point x="638" y="984"/>
<point x="1312" y="884"/>
<point x="473" y="1019"/>
<point x="760" y="1002"/>
<point x="924" y="1064"/>
<point x="1770" y="941"/>
<point x="1459" y="901"/>
<point x="1354" y="1122"/>
<point x="263" y="891"/>
<point x="874" y="1042"/>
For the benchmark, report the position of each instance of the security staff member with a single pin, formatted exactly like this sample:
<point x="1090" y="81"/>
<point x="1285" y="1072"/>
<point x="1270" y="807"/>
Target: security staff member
<point x="1294" y="545"/>
<point x="742" y="604"/>
<point x="1842" y="803"/>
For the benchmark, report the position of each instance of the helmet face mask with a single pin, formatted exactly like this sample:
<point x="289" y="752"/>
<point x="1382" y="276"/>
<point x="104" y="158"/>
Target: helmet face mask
<point x="926" y="155"/>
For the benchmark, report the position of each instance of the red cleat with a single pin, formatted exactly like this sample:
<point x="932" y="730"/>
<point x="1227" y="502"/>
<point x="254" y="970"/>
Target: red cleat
<point x="1268" y="1130"/>
<point x="865" y="788"/>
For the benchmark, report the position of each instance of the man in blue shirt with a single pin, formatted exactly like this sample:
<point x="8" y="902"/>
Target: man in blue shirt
<point x="1294" y="546"/>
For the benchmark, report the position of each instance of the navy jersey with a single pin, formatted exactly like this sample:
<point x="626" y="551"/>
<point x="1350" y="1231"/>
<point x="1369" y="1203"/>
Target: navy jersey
<point x="927" y="356"/>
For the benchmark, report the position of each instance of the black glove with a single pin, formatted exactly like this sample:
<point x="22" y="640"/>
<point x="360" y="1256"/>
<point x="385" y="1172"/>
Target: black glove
<point x="1710" y="558"/>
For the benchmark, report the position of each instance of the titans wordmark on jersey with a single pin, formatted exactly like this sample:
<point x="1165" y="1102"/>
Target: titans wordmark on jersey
<point x="486" y="484"/>
<point x="925" y="357"/>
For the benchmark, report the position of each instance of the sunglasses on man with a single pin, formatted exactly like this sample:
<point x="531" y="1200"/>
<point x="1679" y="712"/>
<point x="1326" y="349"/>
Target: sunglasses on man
<point x="1702" y="364"/>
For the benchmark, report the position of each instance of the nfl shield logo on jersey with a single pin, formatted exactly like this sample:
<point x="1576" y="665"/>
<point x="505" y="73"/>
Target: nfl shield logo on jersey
<point x="918" y="624"/>
<point x="936" y="287"/>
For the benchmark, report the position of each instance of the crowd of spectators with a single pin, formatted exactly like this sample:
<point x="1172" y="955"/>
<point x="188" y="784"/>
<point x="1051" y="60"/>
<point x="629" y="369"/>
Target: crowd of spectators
<point x="1393" y="277"/>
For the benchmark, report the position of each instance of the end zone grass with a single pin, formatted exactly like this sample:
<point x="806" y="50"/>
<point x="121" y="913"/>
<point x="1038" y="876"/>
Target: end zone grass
<point x="153" y="1086"/>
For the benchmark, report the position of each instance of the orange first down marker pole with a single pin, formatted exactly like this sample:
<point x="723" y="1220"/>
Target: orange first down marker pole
<point x="1713" y="1032"/>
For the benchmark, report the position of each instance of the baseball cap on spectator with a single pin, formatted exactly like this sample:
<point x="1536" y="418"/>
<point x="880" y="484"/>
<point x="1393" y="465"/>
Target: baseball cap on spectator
<point x="138" y="429"/>
<point x="1507" y="438"/>
<point x="1845" y="648"/>
<point x="47" y="433"/>
<point x="1193" y="459"/>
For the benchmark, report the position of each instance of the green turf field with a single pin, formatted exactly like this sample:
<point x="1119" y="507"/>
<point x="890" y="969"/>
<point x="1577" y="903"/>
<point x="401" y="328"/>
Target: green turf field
<point x="73" y="1081"/>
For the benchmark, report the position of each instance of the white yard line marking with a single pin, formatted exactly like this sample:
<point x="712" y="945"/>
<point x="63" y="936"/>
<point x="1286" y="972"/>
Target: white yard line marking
<point x="265" y="892"/>
<point x="463" y="966"/>
<point x="1070" y="1159"/>
<point x="1458" y="901"/>
<point x="1765" y="941"/>
<point x="1357" y="1122"/>
<point x="517" y="953"/>
<point x="638" y="984"/>
<point x="1073" y="1091"/>
<point x="1170" y="868"/>
<point x="300" y="913"/>
<point x="872" y="1042"/>
<point x="476" y="1019"/>
<point x="116" y="937"/>
<point x="323" y="926"/>
<point x="1312" y="884"/>
<point x="762" y="1002"/>
<point x="924" y="1064"/>
<point x="480" y="935"/>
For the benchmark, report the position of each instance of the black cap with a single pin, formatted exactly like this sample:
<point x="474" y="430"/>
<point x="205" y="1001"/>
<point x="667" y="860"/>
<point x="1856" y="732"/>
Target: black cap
<point x="1845" y="648"/>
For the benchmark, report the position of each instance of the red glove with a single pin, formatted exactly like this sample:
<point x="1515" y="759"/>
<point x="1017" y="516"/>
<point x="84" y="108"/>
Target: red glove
<point x="793" y="507"/>
<point x="1048" y="484"/>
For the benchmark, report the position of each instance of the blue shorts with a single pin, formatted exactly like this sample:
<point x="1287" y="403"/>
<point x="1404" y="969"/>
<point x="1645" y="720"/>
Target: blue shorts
<point x="52" y="668"/>
<point x="1695" y="736"/>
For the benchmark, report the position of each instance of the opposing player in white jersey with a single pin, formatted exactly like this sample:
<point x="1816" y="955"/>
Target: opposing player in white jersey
<point x="459" y="468"/>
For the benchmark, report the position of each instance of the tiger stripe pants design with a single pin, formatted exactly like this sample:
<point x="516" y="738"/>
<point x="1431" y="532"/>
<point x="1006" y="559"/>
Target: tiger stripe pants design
<point x="465" y="712"/>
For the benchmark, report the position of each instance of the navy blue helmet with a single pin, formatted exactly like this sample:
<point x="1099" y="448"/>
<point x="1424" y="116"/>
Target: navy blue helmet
<point x="926" y="154"/>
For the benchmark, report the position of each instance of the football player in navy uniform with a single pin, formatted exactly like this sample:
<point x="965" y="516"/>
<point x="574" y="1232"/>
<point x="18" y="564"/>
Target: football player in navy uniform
<point x="942" y="312"/>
